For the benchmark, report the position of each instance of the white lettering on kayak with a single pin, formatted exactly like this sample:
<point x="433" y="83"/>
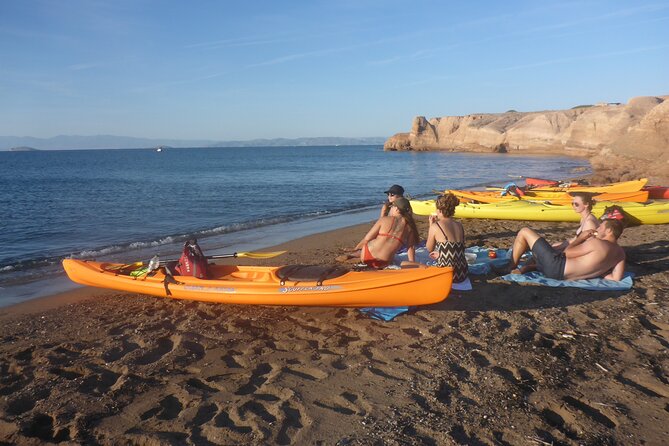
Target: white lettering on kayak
<point x="297" y="289"/>
<point x="209" y="288"/>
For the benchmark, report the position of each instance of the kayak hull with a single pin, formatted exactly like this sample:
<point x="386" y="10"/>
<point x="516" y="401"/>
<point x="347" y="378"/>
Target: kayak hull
<point x="257" y="285"/>
<point x="651" y="213"/>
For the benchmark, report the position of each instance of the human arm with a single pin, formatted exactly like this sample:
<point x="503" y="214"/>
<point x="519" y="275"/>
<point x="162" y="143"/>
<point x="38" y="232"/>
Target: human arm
<point x="578" y="248"/>
<point x="384" y="209"/>
<point x="578" y="241"/>
<point x="371" y="234"/>
<point x="411" y="253"/>
<point x="431" y="241"/>
<point x="617" y="272"/>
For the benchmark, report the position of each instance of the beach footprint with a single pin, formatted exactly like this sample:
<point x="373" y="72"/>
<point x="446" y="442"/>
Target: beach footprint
<point x="163" y="347"/>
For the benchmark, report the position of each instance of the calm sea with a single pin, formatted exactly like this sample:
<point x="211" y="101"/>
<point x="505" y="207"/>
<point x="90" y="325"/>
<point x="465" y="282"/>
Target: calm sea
<point x="127" y="205"/>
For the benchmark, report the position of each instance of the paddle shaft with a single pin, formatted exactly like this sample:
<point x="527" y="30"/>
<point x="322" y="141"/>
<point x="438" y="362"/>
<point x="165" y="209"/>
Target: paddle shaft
<point x="256" y="255"/>
<point x="221" y="256"/>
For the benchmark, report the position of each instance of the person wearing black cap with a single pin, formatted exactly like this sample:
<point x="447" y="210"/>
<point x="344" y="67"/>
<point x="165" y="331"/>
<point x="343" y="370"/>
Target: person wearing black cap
<point x="394" y="192"/>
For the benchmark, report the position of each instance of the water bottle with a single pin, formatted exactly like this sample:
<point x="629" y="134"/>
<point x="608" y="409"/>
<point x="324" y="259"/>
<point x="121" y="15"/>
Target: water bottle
<point x="154" y="263"/>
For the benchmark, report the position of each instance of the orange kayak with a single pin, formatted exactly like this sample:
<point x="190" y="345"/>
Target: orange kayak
<point x="261" y="285"/>
<point x="624" y="186"/>
<point x="562" y="198"/>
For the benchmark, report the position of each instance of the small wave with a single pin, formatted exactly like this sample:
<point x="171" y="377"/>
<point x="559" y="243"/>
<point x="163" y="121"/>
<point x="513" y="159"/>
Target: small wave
<point x="108" y="251"/>
<point x="98" y="252"/>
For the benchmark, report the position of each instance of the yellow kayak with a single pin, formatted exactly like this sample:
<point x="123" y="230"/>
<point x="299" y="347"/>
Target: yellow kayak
<point x="624" y="186"/>
<point x="332" y="286"/>
<point x="651" y="213"/>
<point x="542" y="196"/>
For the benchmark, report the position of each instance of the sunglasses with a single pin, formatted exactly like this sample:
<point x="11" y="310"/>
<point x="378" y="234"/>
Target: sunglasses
<point x="575" y="204"/>
<point x="391" y="195"/>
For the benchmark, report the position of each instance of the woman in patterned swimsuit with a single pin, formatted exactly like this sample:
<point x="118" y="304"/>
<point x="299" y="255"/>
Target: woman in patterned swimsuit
<point x="446" y="238"/>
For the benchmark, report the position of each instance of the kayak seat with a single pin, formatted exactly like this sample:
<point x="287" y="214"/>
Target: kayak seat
<point x="310" y="273"/>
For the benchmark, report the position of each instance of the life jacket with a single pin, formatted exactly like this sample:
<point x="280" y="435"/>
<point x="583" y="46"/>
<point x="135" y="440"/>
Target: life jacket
<point x="192" y="261"/>
<point x="615" y="212"/>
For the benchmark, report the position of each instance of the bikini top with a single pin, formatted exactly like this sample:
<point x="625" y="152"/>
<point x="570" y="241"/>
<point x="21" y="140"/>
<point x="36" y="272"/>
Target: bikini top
<point x="394" y="232"/>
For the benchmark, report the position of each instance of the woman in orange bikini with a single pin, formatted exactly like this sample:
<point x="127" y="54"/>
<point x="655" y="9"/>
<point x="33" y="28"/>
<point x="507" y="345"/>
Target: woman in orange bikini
<point x="387" y="236"/>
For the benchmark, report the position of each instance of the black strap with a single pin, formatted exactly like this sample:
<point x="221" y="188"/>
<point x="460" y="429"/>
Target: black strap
<point x="442" y="231"/>
<point x="285" y="272"/>
<point x="326" y="273"/>
<point x="167" y="280"/>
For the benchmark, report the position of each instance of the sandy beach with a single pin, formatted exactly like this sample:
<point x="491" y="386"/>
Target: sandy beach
<point x="502" y="364"/>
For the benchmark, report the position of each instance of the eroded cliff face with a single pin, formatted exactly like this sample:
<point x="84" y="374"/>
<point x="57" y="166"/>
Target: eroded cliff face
<point x="624" y="139"/>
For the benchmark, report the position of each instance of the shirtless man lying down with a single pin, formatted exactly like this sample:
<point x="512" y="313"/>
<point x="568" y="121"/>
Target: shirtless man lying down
<point x="594" y="253"/>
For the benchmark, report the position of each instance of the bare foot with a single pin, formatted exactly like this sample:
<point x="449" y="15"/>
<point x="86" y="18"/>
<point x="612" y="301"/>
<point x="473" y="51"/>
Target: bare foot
<point x="342" y="258"/>
<point x="516" y="271"/>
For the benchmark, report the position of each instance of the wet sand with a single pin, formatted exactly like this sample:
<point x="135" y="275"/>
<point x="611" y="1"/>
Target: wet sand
<point x="502" y="364"/>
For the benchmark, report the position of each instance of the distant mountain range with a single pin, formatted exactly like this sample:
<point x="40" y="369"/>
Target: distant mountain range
<point x="65" y="142"/>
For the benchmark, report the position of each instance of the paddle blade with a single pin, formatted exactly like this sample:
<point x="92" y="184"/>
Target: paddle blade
<point x="260" y="255"/>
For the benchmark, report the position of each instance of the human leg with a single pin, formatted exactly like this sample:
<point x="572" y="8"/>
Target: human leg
<point x="348" y="256"/>
<point x="524" y="240"/>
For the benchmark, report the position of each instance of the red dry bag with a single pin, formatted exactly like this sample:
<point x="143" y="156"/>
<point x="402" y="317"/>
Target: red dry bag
<point x="192" y="261"/>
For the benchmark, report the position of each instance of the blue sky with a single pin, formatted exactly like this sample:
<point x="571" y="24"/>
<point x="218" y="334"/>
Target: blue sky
<point x="227" y="70"/>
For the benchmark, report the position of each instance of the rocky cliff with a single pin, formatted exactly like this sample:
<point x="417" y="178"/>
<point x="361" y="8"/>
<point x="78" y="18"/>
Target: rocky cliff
<point x="622" y="140"/>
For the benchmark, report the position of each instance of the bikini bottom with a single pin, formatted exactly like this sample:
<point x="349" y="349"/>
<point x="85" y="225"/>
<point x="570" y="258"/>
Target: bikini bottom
<point x="372" y="261"/>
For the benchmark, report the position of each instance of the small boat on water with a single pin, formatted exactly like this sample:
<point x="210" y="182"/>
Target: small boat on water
<point x="310" y="285"/>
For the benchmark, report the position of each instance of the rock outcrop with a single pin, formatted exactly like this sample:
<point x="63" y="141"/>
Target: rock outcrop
<point x="627" y="140"/>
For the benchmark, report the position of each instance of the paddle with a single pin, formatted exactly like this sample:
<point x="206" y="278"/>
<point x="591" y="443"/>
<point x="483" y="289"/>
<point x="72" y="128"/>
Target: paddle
<point x="250" y="255"/>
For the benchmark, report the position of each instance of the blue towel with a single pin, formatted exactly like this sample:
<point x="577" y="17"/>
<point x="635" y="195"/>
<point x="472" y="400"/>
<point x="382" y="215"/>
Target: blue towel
<point x="587" y="284"/>
<point x="383" y="313"/>
<point x="481" y="266"/>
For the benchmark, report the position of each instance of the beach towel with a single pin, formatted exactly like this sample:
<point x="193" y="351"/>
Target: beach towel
<point x="465" y="285"/>
<point x="482" y="265"/>
<point x="598" y="284"/>
<point x="383" y="313"/>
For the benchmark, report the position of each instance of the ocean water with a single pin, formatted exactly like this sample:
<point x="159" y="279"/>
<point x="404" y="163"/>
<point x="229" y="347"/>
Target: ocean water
<point x="128" y="205"/>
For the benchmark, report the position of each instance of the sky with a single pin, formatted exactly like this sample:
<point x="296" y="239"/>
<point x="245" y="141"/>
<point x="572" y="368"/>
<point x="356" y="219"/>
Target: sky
<point x="235" y="70"/>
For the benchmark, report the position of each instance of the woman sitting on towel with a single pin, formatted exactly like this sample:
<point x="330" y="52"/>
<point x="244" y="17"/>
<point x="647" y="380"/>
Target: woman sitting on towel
<point x="446" y="238"/>
<point x="387" y="236"/>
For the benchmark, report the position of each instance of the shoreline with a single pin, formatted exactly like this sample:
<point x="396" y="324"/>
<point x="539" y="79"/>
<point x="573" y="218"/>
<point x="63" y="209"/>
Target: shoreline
<point x="82" y="293"/>
<point x="31" y="277"/>
<point x="502" y="364"/>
